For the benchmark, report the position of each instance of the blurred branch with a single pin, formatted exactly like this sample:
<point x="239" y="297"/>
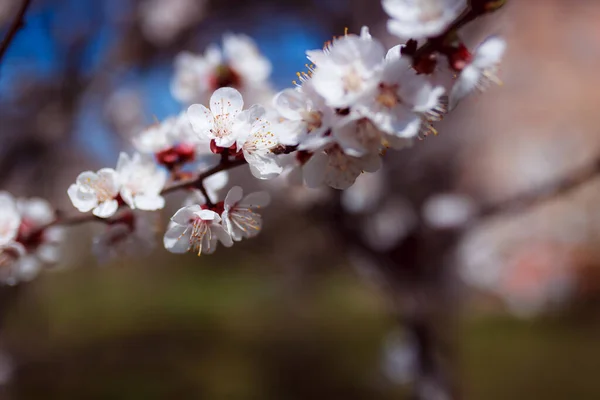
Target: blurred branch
<point x="17" y="24"/>
<point x="548" y="191"/>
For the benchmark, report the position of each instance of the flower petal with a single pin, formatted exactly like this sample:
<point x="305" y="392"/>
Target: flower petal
<point x="255" y="200"/>
<point x="149" y="202"/>
<point x="106" y="209"/>
<point x="201" y="119"/>
<point x="177" y="239"/>
<point x="184" y="215"/>
<point x="226" y="100"/>
<point x="234" y="195"/>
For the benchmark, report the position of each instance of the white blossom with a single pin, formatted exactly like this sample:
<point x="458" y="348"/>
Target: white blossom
<point x="141" y="182"/>
<point x="96" y="191"/>
<point x="10" y="255"/>
<point x="337" y="169"/>
<point x="219" y="122"/>
<point x="37" y="246"/>
<point x="171" y="133"/>
<point x="347" y="69"/>
<point x="307" y="109"/>
<point x="420" y="19"/>
<point x="9" y="218"/>
<point x="257" y="140"/>
<point x="196" y="229"/>
<point x="239" y="218"/>
<point x="481" y="71"/>
<point x="401" y="100"/>
<point x="239" y="64"/>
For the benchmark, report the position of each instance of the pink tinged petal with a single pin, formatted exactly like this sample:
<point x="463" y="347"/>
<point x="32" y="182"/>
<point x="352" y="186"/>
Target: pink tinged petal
<point x="255" y="200"/>
<point x="106" y="209"/>
<point x="234" y="195"/>
<point x="222" y="235"/>
<point x="184" y="215"/>
<point x="226" y="101"/>
<point x="290" y="103"/>
<point x="149" y="202"/>
<point x="201" y="119"/>
<point x="82" y="201"/>
<point x="177" y="239"/>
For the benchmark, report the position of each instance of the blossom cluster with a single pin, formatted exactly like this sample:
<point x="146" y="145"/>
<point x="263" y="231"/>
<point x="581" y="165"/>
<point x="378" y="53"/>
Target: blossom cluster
<point x="356" y="100"/>
<point x="26" y="245"/>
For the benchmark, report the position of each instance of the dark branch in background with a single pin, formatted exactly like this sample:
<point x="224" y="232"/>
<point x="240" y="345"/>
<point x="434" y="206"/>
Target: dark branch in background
<point x="548" y="191"/>
<point x="14" y="27"/>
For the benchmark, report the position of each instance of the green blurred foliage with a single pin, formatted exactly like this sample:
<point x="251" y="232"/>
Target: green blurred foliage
<point x="214" y="331"/>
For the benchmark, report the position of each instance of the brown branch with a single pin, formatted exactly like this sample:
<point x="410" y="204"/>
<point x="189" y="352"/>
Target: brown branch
<point x="545" y="192"/>
<point x="17" y="24"/>
<point x="434" y="43"/>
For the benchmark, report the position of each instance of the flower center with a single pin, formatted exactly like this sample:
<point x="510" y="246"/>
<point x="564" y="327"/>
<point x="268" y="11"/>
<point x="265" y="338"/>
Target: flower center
<point x="352" y="81"/>
<point x="199" y="230"/>
<point x="314" y="120"/>
<point x="388" y="95"/>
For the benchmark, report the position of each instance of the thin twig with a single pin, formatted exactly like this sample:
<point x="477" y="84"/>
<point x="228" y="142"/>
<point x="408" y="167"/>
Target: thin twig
<point x="550" y="190"/>
<point x="14" y="27"/>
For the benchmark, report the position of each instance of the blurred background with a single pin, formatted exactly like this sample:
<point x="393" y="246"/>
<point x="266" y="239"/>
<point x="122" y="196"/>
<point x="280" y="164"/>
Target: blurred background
<point x="507" y="308"/>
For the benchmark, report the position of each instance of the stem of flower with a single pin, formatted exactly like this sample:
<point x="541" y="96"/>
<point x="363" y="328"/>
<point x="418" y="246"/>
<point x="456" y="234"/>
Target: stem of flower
<point x="436" y="43"/>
